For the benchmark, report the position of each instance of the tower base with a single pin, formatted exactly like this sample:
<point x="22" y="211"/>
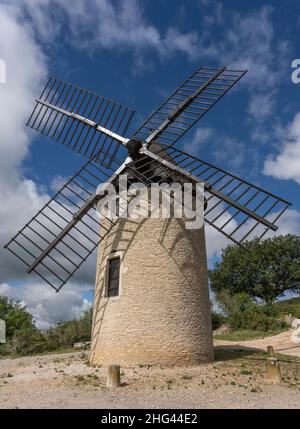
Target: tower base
<point x="162" y="313"/>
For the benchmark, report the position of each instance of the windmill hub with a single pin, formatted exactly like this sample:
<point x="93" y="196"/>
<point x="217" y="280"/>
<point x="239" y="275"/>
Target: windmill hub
<point x="151" y="302"/>
<point x="134" y="145"/>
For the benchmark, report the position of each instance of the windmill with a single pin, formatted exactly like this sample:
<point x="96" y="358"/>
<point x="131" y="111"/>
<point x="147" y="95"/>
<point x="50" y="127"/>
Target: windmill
<point x="151" y="302"/>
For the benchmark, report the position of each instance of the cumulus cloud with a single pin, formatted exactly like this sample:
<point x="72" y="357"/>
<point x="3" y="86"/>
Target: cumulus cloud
<point x="26" y="68"/>
<point x="289" y="223"/>
<point x="20" y="196"/>
<point x="230" y="151"/>
<point x="45" y="305"/>
<point x="111" y="25"/>
<point x="215" y="242"/>
<point x="201" y="137"/>
<point x="226" y="150"/>
<point x="248" y="42"/>
<point x="285" y="165"/>
<point x="261" y="106"/>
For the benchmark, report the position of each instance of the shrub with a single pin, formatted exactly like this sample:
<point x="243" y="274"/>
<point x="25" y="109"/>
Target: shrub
<point x="65" y="334"/>
<point x="217" y="320"/>
<point x="245" y="314"/>
<point x="255" y="318"/>
<point x="23" y="338"/>
<point x="27" y="341"/>
<point x="15" y="316"/>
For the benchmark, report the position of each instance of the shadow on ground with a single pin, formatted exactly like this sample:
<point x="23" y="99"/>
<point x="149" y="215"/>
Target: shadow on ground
<point x="225" y="353"/>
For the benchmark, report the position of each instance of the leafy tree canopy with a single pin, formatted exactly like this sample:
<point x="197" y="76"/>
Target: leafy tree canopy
<point x="16" y="316"/>
<point x="264" y="270"/>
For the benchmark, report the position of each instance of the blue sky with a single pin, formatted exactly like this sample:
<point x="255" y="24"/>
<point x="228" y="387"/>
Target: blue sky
<point x="136" y="52"/>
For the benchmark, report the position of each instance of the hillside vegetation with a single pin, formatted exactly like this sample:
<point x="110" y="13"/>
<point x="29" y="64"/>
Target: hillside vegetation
<point x="288" y="306"/>
<point x="23" y="337"/>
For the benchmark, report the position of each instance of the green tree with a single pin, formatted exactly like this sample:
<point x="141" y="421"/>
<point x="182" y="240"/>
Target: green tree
<point x="21" y="333"/>
<point x="23" y="338"/>
<point x="16" y="317"/>
<point x="264" y="270"/>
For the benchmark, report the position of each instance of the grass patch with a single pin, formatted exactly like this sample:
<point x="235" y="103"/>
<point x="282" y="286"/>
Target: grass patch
<point x="246" y="334"/>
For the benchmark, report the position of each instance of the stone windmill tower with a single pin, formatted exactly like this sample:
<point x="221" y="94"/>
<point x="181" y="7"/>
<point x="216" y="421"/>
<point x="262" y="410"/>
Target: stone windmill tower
<point x="151" y="302"/>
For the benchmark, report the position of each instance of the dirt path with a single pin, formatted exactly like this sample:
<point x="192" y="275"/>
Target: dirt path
<point x="235" y="380"/>
<point x="282" y="343"/>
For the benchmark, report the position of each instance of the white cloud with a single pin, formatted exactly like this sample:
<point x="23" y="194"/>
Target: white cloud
<point x="201" y="137"/>
<point x="26" y="68"/>
<point x="289" y="223"/>
<point x="248" y="42"/>
<point x="230" y="151"/>
<point x="286" y="164"/>
<point x="21" y="197"/>
<point x="216" y="14"/>
<point x="103" y="24"/>
<point x="46" y="306"/>
<point x="57" y="182"/>
<point x="261" y="106"/>
<point x="215" y="242"/>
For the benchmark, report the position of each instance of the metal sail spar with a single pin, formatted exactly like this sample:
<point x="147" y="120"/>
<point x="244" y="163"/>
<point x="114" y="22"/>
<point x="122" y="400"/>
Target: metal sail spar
<point x="236" y="208"/>
<point x="60" y="114"/>
<point x="187" y="104"/>
<point x="63" y="234"/>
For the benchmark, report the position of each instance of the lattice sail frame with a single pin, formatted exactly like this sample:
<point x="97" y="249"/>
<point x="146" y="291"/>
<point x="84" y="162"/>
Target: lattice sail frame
<point x="63" y="234"/>
<point x="55" y="113"/>
<point x="187" y="104"/>
<point x="235" y="207"/>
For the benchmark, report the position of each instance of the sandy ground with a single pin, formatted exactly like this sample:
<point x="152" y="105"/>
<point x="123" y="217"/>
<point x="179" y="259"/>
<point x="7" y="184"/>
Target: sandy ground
<point x="237" y="379"/>
<point x="282" y="343"/>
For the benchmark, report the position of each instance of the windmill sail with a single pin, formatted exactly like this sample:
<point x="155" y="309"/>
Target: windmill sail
<point x="60" y="114"/>
<point x="62" y="235"/>
<point x="187" y="104"/>
<point x="235" y="207"/>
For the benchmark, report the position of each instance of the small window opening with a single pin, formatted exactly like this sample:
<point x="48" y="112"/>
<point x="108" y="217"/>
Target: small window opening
<point x="113" y="279"/>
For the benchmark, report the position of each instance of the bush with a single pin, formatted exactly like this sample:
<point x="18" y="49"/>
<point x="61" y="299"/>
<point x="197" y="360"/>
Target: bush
<point x="26" y="342"/>
<point x="15" y="316"/>
<point x="217" y="320"/>
<point x="245" y="314"/>
<point x="23" y="338"/>
<point x="255" y="318"/>
<point x="65" y="334"/>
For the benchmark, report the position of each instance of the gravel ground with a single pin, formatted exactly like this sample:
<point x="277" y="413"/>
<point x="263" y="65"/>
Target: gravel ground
<point x="235" y="380"/>
<point x="282" y="343"/>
